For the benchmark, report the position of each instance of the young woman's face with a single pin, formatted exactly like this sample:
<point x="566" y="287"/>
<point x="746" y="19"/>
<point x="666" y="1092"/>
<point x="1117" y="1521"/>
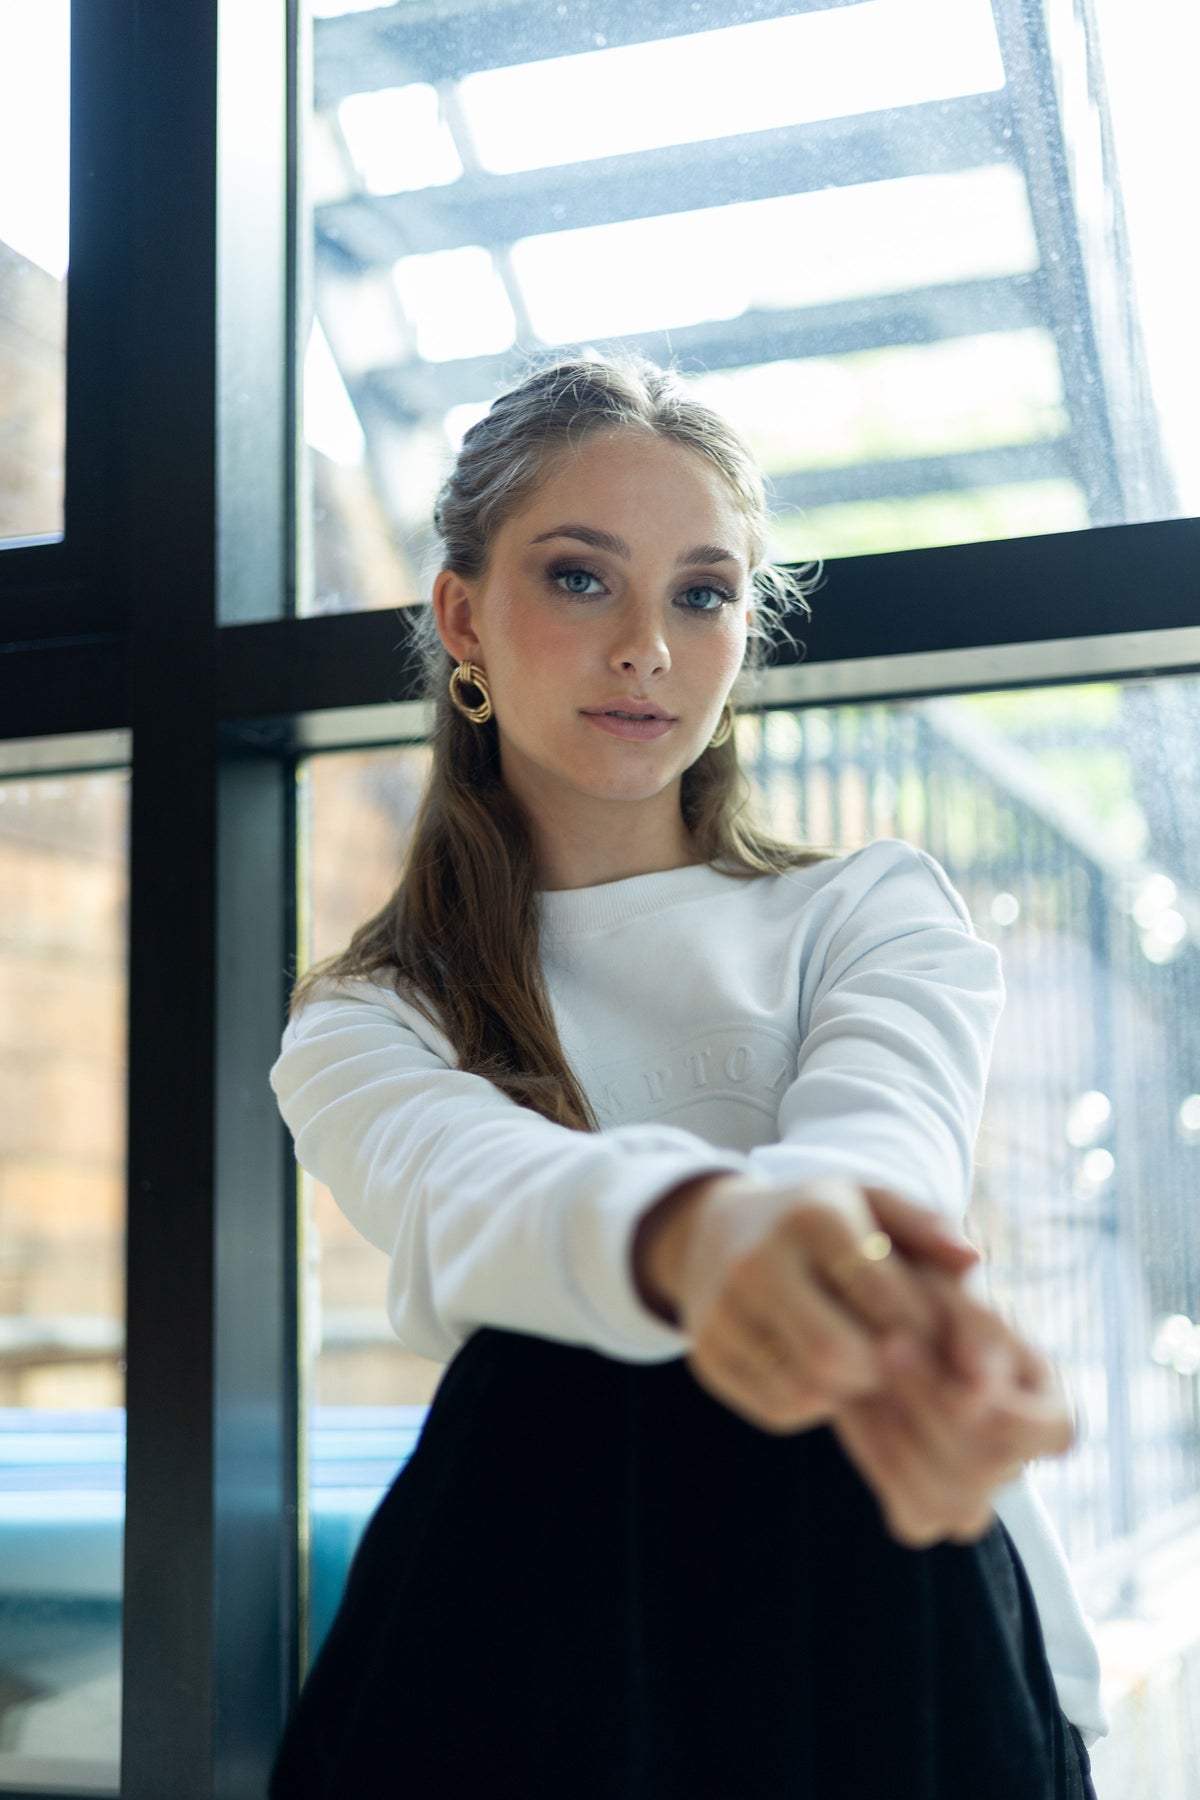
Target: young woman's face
<point x="621" y="587"/>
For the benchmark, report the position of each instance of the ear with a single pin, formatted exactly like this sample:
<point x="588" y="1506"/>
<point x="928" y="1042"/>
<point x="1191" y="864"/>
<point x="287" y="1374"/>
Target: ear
<point x="452" y="609"/>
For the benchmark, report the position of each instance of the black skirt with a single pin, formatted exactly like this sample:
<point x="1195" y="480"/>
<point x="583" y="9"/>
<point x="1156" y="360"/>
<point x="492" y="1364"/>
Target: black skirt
<point x="592" y="1581"/>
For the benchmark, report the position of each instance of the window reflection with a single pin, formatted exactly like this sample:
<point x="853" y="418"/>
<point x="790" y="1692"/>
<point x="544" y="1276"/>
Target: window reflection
<point x="358" y="807"/>
<point x="986" y="184"/>
<point x="63" y="875"/>
<point x="34" y="201"/>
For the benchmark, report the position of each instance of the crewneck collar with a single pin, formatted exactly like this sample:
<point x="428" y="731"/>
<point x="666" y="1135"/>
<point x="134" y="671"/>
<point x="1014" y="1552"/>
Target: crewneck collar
<point x="568" y="912"/>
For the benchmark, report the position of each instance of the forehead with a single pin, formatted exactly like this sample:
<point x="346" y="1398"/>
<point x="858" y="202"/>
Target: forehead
<point x="645" y="488"/>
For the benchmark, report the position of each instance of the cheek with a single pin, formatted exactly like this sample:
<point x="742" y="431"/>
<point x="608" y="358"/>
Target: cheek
<point x="727" y="648"/>
<point x="530" y="645"/>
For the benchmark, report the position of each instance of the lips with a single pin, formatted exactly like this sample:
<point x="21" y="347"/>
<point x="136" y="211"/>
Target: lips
<point x="641" y="727"/>
<point x="628" y="709"/>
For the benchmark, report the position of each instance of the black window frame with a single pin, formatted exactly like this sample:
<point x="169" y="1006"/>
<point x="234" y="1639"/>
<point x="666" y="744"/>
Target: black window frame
<point x="168" y="613"/>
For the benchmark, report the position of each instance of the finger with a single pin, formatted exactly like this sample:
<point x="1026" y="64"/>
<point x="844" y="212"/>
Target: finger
<point x="825" y="1343"/>
<point x="969" y="1442"/>
<point x="939" y="1486"/>
<point x="939" y="1497"/>
<point x="1000" y="1367"/>
<point x="974" y="1341"/>
<point x="920" y="1505"/>
<point x="882" y="1293"/>
<point x="981" y="1437"/>
<point x="921" y="1232"/>
<point x="728" y="1360"/>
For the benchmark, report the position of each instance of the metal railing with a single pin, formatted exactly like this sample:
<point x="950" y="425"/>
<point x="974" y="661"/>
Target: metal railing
<point x="1090" y="1147"/>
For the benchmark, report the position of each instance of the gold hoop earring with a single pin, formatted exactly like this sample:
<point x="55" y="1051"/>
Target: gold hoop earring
<point x="724" y="730"/>
<point x="468" y="673"/>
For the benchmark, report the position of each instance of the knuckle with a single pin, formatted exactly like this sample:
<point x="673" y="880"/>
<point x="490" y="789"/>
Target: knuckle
<point x="1005" y="1443"/>
<point x="796" y="1227"/>
<point x="741" y="1271"/>
<point x="927" y="1533"/>
<point x="779" y="1417"/>
<point x="968" y="1528"/>
<point x="965" y="1515"/>
<point x="823" y="1356"/>
<point x="885" y="1457"/>
<point x="908" y="1529"/>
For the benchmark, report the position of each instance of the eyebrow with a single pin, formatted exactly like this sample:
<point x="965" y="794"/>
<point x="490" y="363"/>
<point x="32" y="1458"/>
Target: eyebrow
<point x="694" y="558"/>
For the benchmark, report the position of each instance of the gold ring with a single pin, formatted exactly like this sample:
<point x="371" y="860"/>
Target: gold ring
<point x="875" y="1247"/>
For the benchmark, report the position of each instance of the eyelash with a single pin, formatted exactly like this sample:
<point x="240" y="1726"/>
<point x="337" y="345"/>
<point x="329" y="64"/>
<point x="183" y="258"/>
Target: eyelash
<point x="557" y="571"/>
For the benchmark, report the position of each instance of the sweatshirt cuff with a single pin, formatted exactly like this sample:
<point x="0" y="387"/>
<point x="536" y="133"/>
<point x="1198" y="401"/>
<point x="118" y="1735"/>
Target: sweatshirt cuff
<point x="599" y="1239"/>
<point x="784" y="1164"/>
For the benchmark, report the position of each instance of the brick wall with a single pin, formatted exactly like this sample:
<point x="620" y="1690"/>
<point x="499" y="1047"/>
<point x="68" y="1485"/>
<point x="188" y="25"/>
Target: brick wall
<point x="63" y="910"/>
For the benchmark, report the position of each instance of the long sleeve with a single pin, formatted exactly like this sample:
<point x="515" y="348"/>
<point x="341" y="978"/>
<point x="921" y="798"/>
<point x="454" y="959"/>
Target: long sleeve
<point x="489" y="1214"/>
<point x="1070" y="1647"/>
<point x="898" y="1013"/>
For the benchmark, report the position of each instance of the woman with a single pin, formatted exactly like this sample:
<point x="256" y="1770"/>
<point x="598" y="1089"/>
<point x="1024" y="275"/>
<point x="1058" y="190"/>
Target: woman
<point x="664" y="1125"/>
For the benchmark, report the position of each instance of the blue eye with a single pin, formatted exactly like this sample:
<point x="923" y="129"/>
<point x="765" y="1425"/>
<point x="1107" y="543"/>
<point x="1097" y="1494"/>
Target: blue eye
<point x="718" y="597"/>
<point x="580" y="582"/>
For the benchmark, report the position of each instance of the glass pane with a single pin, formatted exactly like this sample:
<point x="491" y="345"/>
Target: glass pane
<point x="63" y="900"/>
<point x="366" y="1394"/>
<point x="34" y="205"/>
<point x="1065" y="818"/>
<point x="938" y="281"/>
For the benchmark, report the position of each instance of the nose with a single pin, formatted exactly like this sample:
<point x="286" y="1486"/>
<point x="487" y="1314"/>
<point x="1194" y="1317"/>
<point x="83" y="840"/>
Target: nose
<point x="639" y="647"/>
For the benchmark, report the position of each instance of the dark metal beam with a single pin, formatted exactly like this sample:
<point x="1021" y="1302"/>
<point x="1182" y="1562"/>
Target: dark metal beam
<point x="1054" y="459"/>
<point x="961" y="596"/>
<point x="937" y="137"/>
<point x="44" y="607"/>
<point x="1066" y="584"/>
<point x="64" y="686"/>
<point x="256" y="1464"/>
<point x="209" y="1628"/>
<point x="346" y="659"/>
<point x="257" y="1505"/>
<point x="169" y="536"/>
<point x="918" y="316"/>
<point x="1143" y="577"/>
<point x="435" y="41"/>
<point x="1040" y="148"/>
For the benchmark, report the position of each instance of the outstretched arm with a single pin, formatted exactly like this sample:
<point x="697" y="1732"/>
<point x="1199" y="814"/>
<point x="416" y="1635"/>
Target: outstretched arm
<point x="933" y="1397"/>
<point x="488" y="1213"/>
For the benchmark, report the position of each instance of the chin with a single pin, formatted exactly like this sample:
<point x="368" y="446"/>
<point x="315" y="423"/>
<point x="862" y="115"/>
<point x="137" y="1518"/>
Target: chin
<point x="605" y="770"/>
<point x="627" y="791"/>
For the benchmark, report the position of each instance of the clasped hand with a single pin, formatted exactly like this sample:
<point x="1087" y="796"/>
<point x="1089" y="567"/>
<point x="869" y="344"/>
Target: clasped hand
<point x="936" y="1400"/>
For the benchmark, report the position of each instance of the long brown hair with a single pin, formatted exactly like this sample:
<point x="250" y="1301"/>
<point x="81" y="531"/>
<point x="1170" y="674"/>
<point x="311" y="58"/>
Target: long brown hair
<point x="459" y="936"/>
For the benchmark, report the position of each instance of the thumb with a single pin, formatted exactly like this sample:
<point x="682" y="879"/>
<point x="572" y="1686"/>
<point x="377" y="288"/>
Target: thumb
<point x="923" y="1234"/>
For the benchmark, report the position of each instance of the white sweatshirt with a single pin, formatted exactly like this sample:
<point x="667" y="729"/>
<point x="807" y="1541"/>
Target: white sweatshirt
<point x="836" y="1019"/>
